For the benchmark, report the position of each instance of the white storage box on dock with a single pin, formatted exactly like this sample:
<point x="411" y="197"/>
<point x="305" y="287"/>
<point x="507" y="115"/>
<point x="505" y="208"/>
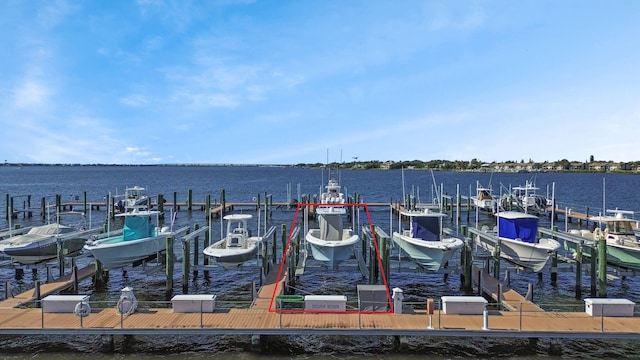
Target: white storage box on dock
<point x="609" y="307"/>
<point x="464" y="305"/>
<point x="325" y="302"/>
<point x="193" y="303"/>
<point x="62" y="303"/>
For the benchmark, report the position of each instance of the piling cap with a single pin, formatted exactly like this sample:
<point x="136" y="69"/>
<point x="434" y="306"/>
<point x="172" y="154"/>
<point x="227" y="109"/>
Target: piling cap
<point x="127" y="289"/>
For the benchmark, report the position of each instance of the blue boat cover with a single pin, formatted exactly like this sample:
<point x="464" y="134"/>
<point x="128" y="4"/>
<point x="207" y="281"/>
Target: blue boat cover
<point x="426" y="228"/>
<point x="519" y="228"/>
<point x="137" y="227"/>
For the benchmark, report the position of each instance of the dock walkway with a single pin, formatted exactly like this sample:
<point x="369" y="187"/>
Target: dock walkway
<point x="60" y="284"/>
<point x="509" y="299"/>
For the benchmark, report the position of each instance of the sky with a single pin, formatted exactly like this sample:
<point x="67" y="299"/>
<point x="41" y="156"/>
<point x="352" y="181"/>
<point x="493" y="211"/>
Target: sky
<point x="288" y="82"/>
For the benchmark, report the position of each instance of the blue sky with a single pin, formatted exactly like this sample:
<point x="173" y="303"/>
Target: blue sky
<point x="285" y="82"/>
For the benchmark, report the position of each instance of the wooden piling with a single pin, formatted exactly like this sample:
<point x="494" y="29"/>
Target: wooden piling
<point x="602" y="267"/>
<point x="185" y="266"/>
<point x="554" y="267"/>
<point x="579" y="271"/>
<point x="594" y="271"/>
<point x="207" y="209"/>
<point x="223" y="203"/>
<point x="175" y="203"/>
<point x="196" y="250"/>
<point x="169" y="266"/>
<point x="160" y="205"/>
<point x="189" y="200"/>
<point x="207" y="242"/>
<point x="283" y="239"/>
<point x="98" y="276"/>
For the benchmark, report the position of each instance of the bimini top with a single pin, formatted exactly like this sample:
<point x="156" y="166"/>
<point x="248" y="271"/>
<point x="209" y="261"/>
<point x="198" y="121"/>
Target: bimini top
<point x="516" y="225"/>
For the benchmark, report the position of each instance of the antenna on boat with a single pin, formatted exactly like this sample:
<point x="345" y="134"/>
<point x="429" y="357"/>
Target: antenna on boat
<point x="435" y="187"/>
<point x="603" y="195"/>
<point x="404" y="196"/>
<point x="173" y="218"/>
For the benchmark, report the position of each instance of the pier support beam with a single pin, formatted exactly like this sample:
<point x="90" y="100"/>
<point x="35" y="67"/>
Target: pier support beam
<point x="108" y="343"/>
<point x="99" y="275"/>
<point x="400" y="343"/>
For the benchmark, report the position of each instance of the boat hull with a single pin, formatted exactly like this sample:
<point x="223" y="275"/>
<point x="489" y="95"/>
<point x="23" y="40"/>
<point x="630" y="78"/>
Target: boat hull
<point x="431" y="255"/>
<point x="331" y="252"/>
<point x="532" y="256"/>
<point x="116" y="253"/>
<point x="623" y="256"/>
<point x="231" y="256"/>
<point x="43" y="250"/>
<point x="617" y="255"/>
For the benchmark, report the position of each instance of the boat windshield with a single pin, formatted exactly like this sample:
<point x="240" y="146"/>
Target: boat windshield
<point x="426" y="228"/>
<point x="620" y="228"/>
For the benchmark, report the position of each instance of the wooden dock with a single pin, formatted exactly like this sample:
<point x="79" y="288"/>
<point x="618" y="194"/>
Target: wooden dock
<point x="528" y="322"/>
<point x="508" y="298"/>
<point x="58" y="285"/>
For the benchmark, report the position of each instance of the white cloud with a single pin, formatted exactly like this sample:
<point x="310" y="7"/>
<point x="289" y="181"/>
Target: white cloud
<point x="53" y="13"/>
<point x="30" y="94"/>
<point x="135" y="100"/>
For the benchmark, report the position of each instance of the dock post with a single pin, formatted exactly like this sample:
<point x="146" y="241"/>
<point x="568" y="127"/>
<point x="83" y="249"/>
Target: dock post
<point x="485" y="319"/>
<point x="58" y="203"/>
<point x="98" y="276"/>
<point x="7" y="208"/>
<point x="594" y="271"/>
<point x="207" y="242"/>
<point x="8" y="292"/>
<point x="185" y="266"/>
<point x="468" y="269"/>
<point x="160" y="205"/>
<point x="36" y="292"/>
<point x="529" y="295"/>
<point x="223" y="203"/>
<point x="602" y="267"/>
<point x="207" y="209"/>
<point x="579" y="271"/>
<point x="43" y="208"/>
<point x="74" y="278"/>
<point x="175" y="203"/>
<point x="169" y="263"/>
<point x="283" y="238"/>
<point x="28" y="209"/>
<point x="60" y="254"/>
<point x="274" y="248"/>
<point x="554" y="268"/>
<point x="196" y="247"/>
<point x="189" y="199"/>
<point x="384" y="257"/>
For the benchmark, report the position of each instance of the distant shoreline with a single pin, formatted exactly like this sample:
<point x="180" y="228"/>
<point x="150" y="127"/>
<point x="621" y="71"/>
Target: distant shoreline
<point x="351" y="166"/>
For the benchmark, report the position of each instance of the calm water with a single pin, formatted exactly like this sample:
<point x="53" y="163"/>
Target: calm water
<point x="243" y="184"/>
